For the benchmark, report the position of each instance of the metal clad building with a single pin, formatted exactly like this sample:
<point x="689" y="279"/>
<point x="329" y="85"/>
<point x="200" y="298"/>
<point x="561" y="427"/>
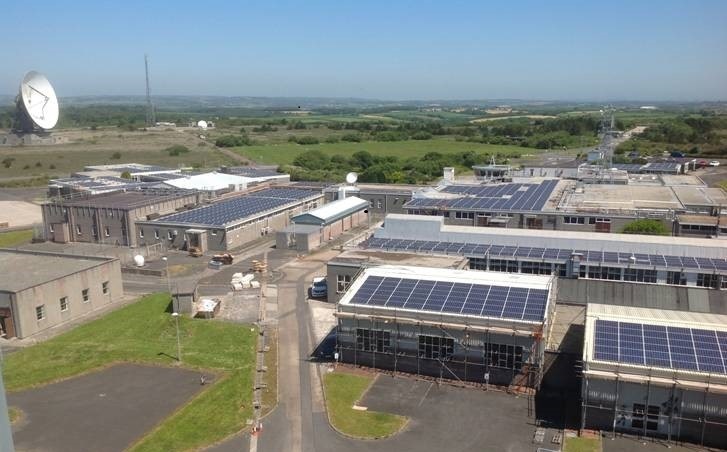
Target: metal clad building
<point x="454" y="324"/>
<point x="654" y="372"/>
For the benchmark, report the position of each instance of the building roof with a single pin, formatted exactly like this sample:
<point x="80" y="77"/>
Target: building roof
<point x="251" y="171"/>
<point x="459" y="295"/>
<point x="131" y="168"/>
<point x="331" y="212"/>
<point x="240" y="208"/>
<point x="705" y="220"/>
<point x="357" y="257"/>
<point x="432" y="229"/>
<point x="122" y="199"/>
<point x="208" y="181"/>
<point x="32" y="268"/>
<point x="103" y="184"/>
<point x="555" y="163"/>
<point x="655" y="344"/>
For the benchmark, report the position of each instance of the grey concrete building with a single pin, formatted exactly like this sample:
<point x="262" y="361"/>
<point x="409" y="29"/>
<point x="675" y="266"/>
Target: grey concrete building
<point x="658" y="373"/>
<point x="382" y="198"/>
<point x="229" y="223"/>
<point x="455" y="324"/>
<point x="110" y="218"/>
<point x="41" y="290"/>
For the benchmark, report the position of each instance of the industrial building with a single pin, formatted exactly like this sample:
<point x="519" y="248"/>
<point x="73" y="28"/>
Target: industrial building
<point x="229" y="223"/>
<point x="110" y="218"/>
<point x="309" y="229"/>
<point x="653" y="372"/>
<point x="558" y="204"/>
<point x="382" y="198"/>
<point x="69" y="187"/>
<point x="41" y="290"/>
<point x="456" y="324"/>
<point x="680" y="261"/>
<point x="220" y="182"/>
<point x="134" y="171"/>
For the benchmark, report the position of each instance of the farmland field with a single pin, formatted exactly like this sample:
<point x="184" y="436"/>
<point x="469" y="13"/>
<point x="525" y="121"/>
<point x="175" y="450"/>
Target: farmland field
<point x="283" y="154"/>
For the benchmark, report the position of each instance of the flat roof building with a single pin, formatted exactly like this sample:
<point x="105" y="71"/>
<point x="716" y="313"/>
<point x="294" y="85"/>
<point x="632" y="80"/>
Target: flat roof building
<point x="40" y="290"/>
<point x="684" y="261"/>
<point x="656" y="373"/>
<point x="455" y="324"/>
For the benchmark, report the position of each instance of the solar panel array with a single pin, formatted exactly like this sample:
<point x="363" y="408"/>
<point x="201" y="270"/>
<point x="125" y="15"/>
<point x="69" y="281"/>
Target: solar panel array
<point x="501" y="197"/>
<point x="661" y="346"/>
<point x="224" y="212"/>
<point x="558" y="255"/>
<point x="480" y="300"/>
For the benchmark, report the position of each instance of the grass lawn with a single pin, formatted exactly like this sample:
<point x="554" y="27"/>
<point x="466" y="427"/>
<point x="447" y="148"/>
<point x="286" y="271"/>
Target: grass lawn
<point x="582" y="444"/>
<point x="145" y="332"/>
<point x="342" y="392"/>
<point x="283" y="154"/>
<point x="15" y="238"/>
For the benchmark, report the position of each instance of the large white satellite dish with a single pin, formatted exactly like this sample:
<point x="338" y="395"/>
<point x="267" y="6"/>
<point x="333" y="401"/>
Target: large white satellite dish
<point x="351" y="177"/>
<point x="37" y="101"/>
<point x="202" y="124"/>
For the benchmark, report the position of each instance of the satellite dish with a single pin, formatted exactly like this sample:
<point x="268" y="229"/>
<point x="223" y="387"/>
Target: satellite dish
<point x="139" y="260"/>
<point x="202" y="124"/>
<point x="351" y="178"/>
<point x="37" y="103"/>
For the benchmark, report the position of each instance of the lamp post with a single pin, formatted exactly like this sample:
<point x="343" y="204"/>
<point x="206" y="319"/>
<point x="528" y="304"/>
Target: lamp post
<point x="175" y="314"/>
<point x="169" y="284"/>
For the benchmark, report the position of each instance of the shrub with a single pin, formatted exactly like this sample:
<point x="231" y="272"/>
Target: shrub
<point x="116" y="156"/>
<point x="177" y="150"/>
<point x="646" y="226"/>
<point x="307" y="140"/>
<point x="352" y="137"/>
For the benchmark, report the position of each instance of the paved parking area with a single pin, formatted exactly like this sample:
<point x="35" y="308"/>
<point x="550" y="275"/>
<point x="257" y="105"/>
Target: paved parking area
<point x="101" y="411"/>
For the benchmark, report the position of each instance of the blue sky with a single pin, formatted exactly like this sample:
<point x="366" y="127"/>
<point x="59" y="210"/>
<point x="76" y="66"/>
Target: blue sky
<point x="570" y="50"/>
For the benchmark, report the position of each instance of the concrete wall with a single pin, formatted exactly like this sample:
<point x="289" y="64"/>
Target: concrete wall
<point x="333" y="271"/>
<point x="24" y="303"/>
<point x="380" y="203"/>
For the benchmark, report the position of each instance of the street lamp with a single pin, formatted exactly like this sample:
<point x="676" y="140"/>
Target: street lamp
<point x="179" y="344"/>
<point x="169" y="284"/>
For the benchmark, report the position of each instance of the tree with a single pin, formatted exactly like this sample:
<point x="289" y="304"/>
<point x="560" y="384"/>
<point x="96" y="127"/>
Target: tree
<point x="312" y="160"/>
<point x="126" y="175"/>
<point x="362" y="159"/>
<point x="646" y="226"/>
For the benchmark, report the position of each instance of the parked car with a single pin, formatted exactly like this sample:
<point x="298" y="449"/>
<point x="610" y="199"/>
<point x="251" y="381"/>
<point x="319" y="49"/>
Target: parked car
<point x="702" y="164"/>
<point x="677" y="154"/>
<point x="714" y="163"/>
<point x="319" y="288"/>
<point x="214" y="265"/>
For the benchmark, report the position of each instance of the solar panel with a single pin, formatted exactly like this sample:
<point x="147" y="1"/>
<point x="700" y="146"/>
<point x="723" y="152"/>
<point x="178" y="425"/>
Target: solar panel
<point x="661" y="346"/>
<point x="501" y="197"/>
<point x="553" y="254"/>
<point x="513" y="303"/>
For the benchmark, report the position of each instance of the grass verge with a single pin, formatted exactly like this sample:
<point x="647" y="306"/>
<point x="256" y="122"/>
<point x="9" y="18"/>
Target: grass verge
<point x="145" y="332"/>
<point x="15" y="414"/>
<point x="270" y="394"/>
<point x="342" y="392"/>
<point x="582" y="444"/>
<point x="15" y="238"/>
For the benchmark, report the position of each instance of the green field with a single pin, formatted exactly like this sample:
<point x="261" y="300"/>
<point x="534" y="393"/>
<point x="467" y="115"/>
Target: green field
<point x="14" y="238"/>
<point x="284" y="154"/>
<point x="145" y="332"/>
<point x="342" y="392"/>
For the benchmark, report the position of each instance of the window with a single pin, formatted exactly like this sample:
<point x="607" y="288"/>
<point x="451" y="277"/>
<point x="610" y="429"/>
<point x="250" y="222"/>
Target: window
<point x="169" y="235"/>
<point x="156" y="234"/>
<point x="612" y="273"/>
<point x="603" y="220"/>
<point x="574" y="220"/>
<point x="64" y="304"/>
<point x="378" y="204"/>
<point x="638" y="275"/>
<point x="478" y="263"/>
<point x="372" y="340"/>
<point x="106" y="231"/>
<point x="342" y="283"/>
<point x="40" y="312"/>
<point x="105" y="287"/>
<point x="78" y="229"/>
<point x="640" y="411"/>
<point x="706" y="280"/>
<point x="141" y="233"/>
<point x="94" y="231"/>
<point x="501" y="265"/>
<point x="213" y="232"/>
<point x="505" y="356"/>
<point x="435" y="347"/>
<point x="84" y="295"/>
<point x="50" y="228"/>
<point x="559" y="269"/>
<point x="536" y="268"/>
<point x="677" y="278"/>
<point x="465" y="215"/>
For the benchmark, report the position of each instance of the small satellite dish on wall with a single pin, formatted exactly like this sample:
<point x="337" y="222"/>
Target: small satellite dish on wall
<point x="37" y="104"/>
<point x="202" y="124"/>
<point x="351" y="178"/>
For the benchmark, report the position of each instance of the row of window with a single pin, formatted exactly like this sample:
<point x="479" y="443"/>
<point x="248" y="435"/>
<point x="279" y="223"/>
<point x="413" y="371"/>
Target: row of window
<point x="582" y="220"/>
<point x="593" y="272"/>
<point x="442" y="348"/>
<point x="63" y="301"/>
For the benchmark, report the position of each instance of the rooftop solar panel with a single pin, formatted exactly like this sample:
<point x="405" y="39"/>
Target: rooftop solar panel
<point x="669" y="347"/>
<point x="512" y="303"/>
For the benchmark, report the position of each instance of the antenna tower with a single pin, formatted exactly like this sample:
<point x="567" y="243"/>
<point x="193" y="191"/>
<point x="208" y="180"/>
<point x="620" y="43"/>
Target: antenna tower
<point x="150" y="116"/>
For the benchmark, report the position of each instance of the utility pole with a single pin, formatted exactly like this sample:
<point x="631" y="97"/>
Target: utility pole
<point x="150" y="116"/>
